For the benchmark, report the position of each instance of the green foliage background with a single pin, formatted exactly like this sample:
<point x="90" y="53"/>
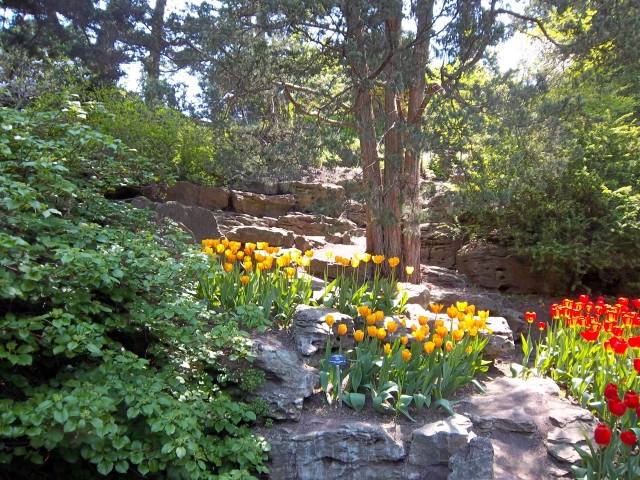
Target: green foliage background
<point x="108" y="361"/>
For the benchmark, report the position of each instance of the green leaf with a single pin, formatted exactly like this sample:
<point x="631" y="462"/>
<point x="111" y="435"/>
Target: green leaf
<point x="356" y="400"/>
<point x="181" y="452"/>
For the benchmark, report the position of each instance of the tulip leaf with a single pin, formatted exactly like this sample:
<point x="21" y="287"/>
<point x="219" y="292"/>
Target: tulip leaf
<point x="355" y="400"/>
<point x="444" y="404"/>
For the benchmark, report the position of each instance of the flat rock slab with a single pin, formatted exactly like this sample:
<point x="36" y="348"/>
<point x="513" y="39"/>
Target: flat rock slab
<point x="344" y="450"/>
<point x="528" y="420"/>
<point x="310" y="332"/>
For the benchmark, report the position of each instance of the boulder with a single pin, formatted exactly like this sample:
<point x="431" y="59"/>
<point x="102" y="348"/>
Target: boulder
<point x="257" y="186"/>
<point x="315" y="197"/>
<point x="439" y="243"/>
<point x="310" y="331"/>
<point x="343" y="238"/>
<point x="318" y="225"/>
<point x="187" y="193"/>
<point x="501" y="342"/>
<point x="260" y="205"/>
<point x="434" y="443"/>
<point x="416" y="293"/>
<point x="275" y="236"/>
<point x="199" y="222"/>
<point x="308" y="243"/>
<point x="228" y="220"/>
<point x="490" y="265"/>
<point x="356" y="212"/>
<point x="473" y="461"/>
<point x="288" y="380"/>
<point x="337" y="449"/>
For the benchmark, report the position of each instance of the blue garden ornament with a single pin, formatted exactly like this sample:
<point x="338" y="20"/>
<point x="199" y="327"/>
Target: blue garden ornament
<point x="338" y="360"/>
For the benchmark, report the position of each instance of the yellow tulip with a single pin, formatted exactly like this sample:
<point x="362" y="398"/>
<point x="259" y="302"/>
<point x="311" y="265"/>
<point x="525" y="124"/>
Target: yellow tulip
<point x="378" y="259"/>
<point x="387" y="348"/>
<point x="461" y="306"/>
<point x="342" y="329"/>
<point x="329" y="320"/>
<point x="379" y="316"/>
<point x="392" y="326"/>
<point x="220" y="249"/>
<point x="442" y="331"/>
<point x="457" y="335"/>
<point x="452" y="312"/>
<point x="365" y="257"/>
<point x="355" y="262"/>
<point x="404" y="340"/>
<point x="308" y="253"/>
<point x="372" y="331"/>
<point x="228" y="267"/>
<point x="448" y="346"/>
<point x="290" y="272"/>
<point x="371" y="319"/>
<point x="381" y="334"/>
<point x="406" y="355"/>
<point x="244" y="279"/>
<point x="409" y="269"/>
<point x="208" y="250"/>
<point x="429" y="347"/>
<point x="422" y="320"/>
<point x="437" y="340"/>
<point x="419" y="335"/>
<point x="358" y="335"/>
<point x="262" y="245"/>
<point x="363" y="311"/>
<point x="471" y="309"/>
<point x="393" y="262"/>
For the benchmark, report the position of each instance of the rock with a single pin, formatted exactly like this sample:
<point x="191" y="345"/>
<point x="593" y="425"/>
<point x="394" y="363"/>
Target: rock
<point x="490" y="265"/>
<point x="257" y="186"/>
<point x="308" y="243"/>
<point x="356" y="212"/>
<point x="473" y="461"/>
<point x="275" y="236"/>
<point x="143" y="202"/>
<point x="526" y="416"/>
<point x="500" y="339"/>
<point x="315" y="197"/>
<point x="189" y="193"/>
<point x="199" y="222"/>
<point x="337" y="449"/>
<point x="318" y="225"/>
<point x="154" y="192"/>
<point x="439" y="244"/>
<point x="417" y="293"/>
<point x="343" y="238"/>
<point x="288" y="380"/>
<point x="322" y="267"/>
<point x="260" y="205"/>
<point x="434" y="443"/>
<point x="440" y="201"/>
<point x="310" y="332"/>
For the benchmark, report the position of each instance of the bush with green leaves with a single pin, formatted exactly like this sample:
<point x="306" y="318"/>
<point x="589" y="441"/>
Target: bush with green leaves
<point x="109" y="363"/>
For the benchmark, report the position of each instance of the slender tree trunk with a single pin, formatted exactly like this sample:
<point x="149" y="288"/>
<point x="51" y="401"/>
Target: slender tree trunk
<point x="413" y="153"/>
<point x="393" y="164"/>
<point x="156" y="46"/>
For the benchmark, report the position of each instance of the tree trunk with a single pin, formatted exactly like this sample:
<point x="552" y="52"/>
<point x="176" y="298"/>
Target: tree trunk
<point x="156" y="46"/>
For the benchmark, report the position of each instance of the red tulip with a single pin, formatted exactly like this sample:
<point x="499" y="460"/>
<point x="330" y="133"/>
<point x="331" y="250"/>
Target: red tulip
<point x="541" y="326"/>
<point x="616" y="407"/>
<point x="634" y="342"/>
<point x="636" y="364"/>
<point x="602" y="435"/>
<point x="632" y="399"/>
<point x="619" y="346"/>
<point x="617" y="331"/>
<point x="611" y="391"/>
<point x="530" y="317"/>
<point x="590" y="335"/>
<point x="628" y="438"/>
<point x="636" y="303"/>
<point x="623" y="301"/>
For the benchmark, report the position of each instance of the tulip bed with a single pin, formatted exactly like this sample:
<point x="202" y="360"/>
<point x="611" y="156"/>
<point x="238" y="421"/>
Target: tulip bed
<point x="353" y="286"/>
<point x="397" y="370"/>
<point x="592" y="347"/>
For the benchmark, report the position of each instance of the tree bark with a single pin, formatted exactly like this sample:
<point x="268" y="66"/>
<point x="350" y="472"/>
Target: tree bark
<point x="156" y="46"/>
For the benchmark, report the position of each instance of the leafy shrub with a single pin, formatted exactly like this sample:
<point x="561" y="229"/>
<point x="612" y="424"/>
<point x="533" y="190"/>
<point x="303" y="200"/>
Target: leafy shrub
<point x="108" y="362"/>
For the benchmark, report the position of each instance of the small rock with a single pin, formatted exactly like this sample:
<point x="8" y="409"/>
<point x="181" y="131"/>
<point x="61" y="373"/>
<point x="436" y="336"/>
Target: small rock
<point x="288" y="380"/>
<point x="275" y="236"/>
<point x="473" y="461"/>
<point x="500" y="338"/>
<point x="435" y="442"/>
<point x="417" y="293"/>
<point x="200" y="222"/>
<point x="310" y="330"/>
<point x="261" y="205"/>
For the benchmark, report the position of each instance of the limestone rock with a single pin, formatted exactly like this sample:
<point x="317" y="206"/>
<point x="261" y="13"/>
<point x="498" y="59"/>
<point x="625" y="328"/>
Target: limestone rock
<point x="417" y="293"/>
<point x="490" y="265"/>
<point x="275" y="236"/>
<point x="473" y="461"/>
<point x="189" y="193"/>
<point x="345" y="450"/>
<point x="343" y="238"/>
<point x="310" y="331"/>
<point x="308" y="243"/>
<point x="434" y="443"/>
<point x="260" y="205"/>
<point x="500" y="338"/>
<point x="318" y="225"/>
<point x="573" y="424"/>
<point x="264" y="187"/>
<point x="356" y="212"/>
<point x="288" y="380"/>
<point x="439" y="243"/>
<point x="199" y="222"/>
<point x="315" y="197"/>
